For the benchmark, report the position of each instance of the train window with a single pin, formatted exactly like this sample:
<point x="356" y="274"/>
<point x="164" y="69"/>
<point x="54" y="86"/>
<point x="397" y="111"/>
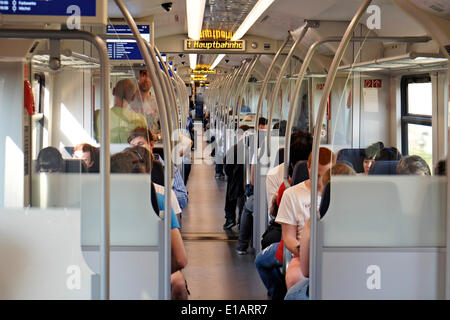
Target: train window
<point x="416" y="95"/>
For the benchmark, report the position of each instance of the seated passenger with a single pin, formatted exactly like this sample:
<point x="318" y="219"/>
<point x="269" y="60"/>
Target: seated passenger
<point x="370" y="154"/>
<point x="129" y="162"/>
<point x="49" y="160"/>
<point x="294" y="211"/>
<point x="301" y="145"/>
<point x="300" y="291"/>
<point x="270" y="259"/>
<point x="144" y="138"/>
<point x="89" y="154"/>
<point x="414" y="165"/>
<point x="122" y="119"/>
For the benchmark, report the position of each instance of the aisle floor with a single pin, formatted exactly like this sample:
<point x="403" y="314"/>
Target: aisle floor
<point x="214" y="270"/>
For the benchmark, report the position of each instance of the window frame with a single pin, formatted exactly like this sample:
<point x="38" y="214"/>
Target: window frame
<point x="410" y="118"/>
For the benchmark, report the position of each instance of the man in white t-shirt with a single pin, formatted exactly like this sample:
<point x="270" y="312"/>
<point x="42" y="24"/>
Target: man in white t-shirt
<point x="294" y="211"/>
<point x="300" y="148"/>
<point x="145" y="102"/>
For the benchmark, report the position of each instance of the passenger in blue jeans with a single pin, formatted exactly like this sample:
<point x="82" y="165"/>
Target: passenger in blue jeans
<point x="268" y="268"/>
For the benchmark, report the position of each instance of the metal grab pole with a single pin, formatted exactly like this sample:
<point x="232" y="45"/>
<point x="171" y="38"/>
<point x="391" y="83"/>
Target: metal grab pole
<point x="313" y="286"/>
<point x="166" y="247"/>
<point x="104" y="151"/>
<point x="301" y="75"/>
<point x="263" y="92"/>
<point x="235" y="99"/>
<point x="241" y="95"/>
<point x="277" y="87"/>
<point x="170" y="87"/>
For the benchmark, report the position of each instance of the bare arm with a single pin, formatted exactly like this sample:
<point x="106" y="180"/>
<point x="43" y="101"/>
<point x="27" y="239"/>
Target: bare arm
<point x="304" y="249"/>
<point x="289" y="233"/>
<point x="252" y="174"/>
<point x="179" y="257"/>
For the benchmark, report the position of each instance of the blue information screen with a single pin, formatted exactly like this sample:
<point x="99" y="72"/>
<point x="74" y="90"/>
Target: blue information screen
<point x="122" y="49"/>
<point x="48" y="7"/>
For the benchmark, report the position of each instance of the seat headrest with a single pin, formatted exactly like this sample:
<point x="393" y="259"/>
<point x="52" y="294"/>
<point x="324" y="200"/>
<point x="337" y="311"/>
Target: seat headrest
<point x="325" y="201"/>
<point x="354" y="156"/>
<point x="280" y="157"/>
<point x="384" y="167"/>
<point x="74" y="166"/>
<point x="300" y="172"/>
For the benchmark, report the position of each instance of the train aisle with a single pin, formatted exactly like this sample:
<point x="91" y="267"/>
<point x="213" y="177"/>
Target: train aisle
<point x="214" y="270"/>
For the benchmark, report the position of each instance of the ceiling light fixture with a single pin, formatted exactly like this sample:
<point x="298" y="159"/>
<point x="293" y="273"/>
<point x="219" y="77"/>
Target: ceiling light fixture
<point x="194" y="11"/>
<point x="251" y="18"/>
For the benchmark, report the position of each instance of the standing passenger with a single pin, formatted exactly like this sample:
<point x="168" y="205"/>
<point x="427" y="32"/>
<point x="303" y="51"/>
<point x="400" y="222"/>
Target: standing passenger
<point x="145" y="102"/>
<point x="122" y="120"/>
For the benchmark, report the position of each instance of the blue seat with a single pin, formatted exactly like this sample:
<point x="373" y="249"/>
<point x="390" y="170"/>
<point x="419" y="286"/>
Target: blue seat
<point x="300" y="172"/>
<point x="279" y="159"/>
<point x="354" y="156"/>
<point x="384" y="167"/>
<point x="74" y="166"/>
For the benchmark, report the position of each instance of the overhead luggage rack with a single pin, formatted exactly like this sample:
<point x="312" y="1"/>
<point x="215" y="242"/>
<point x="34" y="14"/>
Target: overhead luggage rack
<point x="74" y="61"/>
<point x="410" y="61"/>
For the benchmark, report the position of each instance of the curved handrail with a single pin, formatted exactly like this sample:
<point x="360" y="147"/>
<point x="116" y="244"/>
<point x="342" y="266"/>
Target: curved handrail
<point x="104" y="151"/>
<point x="313" y="287"/>
<point x="238" y="92"/>
<point x="241" y="95"/>
<point x="170" y="86"/>
<point x="278" y="84"/>
<point x="146" y="54"/>
<point x="301" y="76"/>
<point x="262" y="94"/>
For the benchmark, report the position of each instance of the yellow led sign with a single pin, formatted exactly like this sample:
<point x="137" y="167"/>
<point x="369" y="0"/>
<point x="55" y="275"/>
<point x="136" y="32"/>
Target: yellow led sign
<point x="216" y="34"/>
<point x="214" y="45"/>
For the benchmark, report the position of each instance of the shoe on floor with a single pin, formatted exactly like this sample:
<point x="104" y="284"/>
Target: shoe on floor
<point x="229" y="225"/>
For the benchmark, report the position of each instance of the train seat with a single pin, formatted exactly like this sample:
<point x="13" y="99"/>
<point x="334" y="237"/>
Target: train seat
<point x="134" y="235"/>
<point x="300" y="172"/>
<point x="384" y="168"/>
<point x="74" y="166"/>
<point x="41" y="255"/>
<point x="279" y="159"/>
<point x="393" y="231"/>
<point x="354" y="156"/>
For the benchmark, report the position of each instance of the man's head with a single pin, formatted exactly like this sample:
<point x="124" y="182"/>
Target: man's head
<point x="301" y="146"/>
<point x="326" y="160"/>
<point x="85" y="152"/>
<point x="141" y="137"/>
<point x="414" y="165"/>
<point x="124" y="90"/>
<point x="262" y="123"/>
<point x="144" y="81"/>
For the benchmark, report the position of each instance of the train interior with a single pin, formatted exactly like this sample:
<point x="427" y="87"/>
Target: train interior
<point x="349" y="73"/>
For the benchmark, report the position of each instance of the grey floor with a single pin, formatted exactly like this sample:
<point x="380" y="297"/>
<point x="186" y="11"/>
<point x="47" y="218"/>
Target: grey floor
<point x="214" y="270"/>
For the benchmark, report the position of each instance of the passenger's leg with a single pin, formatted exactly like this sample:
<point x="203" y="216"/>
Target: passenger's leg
<point x="293" y="273"/>
<point x="230" y="213"/>
<point x="246" y="227"/>
<point x="267" y="265"/>
<point x="179" y="286"/>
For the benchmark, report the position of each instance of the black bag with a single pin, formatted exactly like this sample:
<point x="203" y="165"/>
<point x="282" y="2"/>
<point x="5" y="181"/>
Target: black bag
<point x="271" y="235"/>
